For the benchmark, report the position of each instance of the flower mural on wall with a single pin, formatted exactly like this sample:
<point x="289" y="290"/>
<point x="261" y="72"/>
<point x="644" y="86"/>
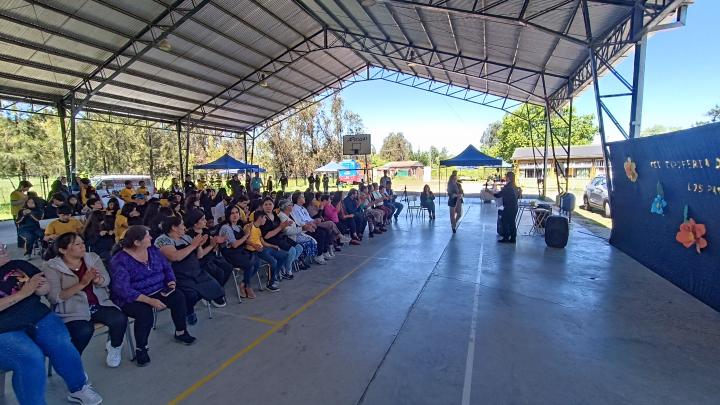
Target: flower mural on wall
<point x="631" y="169"/>
<point x="691" y="233"/>
<point x="659" y="203"/>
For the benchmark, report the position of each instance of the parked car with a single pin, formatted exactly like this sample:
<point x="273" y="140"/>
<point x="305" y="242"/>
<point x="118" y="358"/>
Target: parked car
<point x="596" y="196"/>
<point x="109" y="186"/>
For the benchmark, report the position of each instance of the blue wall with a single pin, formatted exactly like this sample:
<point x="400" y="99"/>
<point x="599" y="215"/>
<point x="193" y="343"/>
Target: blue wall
<point x="687" y="164"/>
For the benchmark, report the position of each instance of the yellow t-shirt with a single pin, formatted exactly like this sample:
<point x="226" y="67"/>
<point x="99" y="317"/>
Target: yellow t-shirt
<point x="121" y="225"/>
<point x="255" y="237"/>
<point x="142" y="190"/>
<point x="126" y="194"/>
<point x="164" y="202"/>
<point x="58" y="228"/>
<point x="16" y="195"/>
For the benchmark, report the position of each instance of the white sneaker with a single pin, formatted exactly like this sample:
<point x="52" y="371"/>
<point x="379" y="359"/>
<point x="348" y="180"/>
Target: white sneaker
<point x="331" y="252"/>
<point x="327" y="256"/>
<point x="319" y="260"/>
<point x="86" y="396"/>
<point x="345" y="239"/>
<point x="114" y="355"/>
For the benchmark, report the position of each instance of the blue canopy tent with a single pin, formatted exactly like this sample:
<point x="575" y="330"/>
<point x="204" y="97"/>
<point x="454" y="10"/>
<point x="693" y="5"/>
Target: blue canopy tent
<point x="471" y="156"/>
<point x="227" y="162"/>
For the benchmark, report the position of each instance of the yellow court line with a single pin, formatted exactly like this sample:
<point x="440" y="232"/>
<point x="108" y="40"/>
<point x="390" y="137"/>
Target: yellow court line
<point x="200" y="383"/>
<point x="261" y="320"/>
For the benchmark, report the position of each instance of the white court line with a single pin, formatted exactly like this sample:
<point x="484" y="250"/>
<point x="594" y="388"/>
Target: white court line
<point x="469" y="361"/>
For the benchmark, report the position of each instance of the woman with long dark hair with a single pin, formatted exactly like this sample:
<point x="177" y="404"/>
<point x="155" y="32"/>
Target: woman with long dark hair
<point x="210" y="259"/>
<point x="143" y="279"/>
<point x="181" y="250"/>
<point x="453" y="192"/>
<point x="509" y="196"/>
<point x="79" y="290"/>
<point x="272" y="232"/>
<point x="99" y="235"/>
<point x="427" y="201"/>
<point x="234" y="251"/>
<point x="128" y="216"/>
<point x="28" y="225"/>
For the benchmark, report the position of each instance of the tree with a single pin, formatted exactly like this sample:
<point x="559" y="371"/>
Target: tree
<point x="395" y="147"/>
<point x="489" y="136"/>
<point x="658" y="129"/>
<point x="514" y="131"/>
<point x="421" y="156"/>
<point x="714" y="113"/>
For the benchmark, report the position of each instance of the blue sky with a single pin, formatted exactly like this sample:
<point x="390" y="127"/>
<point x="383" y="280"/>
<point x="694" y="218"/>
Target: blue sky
<point x="681" y="84"/>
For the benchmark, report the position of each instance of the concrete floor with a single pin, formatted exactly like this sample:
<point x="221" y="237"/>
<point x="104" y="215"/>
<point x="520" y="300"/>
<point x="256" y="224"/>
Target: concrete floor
<point x="390" y="322"/>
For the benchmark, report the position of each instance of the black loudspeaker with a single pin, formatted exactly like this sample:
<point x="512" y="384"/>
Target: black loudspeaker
<point x="556" y="231"/>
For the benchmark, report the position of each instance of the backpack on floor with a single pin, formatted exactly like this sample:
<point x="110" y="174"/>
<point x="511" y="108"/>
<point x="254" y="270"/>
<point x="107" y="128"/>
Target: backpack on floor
<point x="556" y="231"/>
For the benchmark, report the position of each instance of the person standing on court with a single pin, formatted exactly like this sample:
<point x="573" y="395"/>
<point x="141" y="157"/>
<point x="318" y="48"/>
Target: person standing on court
<point x="283" y="182"/>
<point x="311" y="182"/>
<point x="325" y="183"/>
<point x="385" y="179"/>
<point x="510" y="207"/>
<point x="453" y="192"/>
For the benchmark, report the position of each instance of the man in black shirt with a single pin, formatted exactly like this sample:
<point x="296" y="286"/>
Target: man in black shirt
<point x="51" y="209"/>
<point x="188" y="185"/>
<point x="283" y="182"/>
<point x="311" y="182"/>
<point x="235" y="185"/>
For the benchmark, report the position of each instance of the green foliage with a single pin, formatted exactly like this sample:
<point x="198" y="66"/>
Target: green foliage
<point x="395" y="147"/>
<point x="658" y="129"/>
<point x="514" y="130"/>
<point x="30" y="145"/>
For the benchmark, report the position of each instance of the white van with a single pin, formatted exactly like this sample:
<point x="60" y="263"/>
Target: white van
<point x="110" y="185"/>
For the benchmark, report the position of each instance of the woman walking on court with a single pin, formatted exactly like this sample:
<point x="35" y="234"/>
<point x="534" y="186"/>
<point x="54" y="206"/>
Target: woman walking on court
<point x="453" y="192"/>
<point x="510" y="207"/>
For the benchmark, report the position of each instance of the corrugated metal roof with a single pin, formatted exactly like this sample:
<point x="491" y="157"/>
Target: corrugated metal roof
<point x="238" y="63"/>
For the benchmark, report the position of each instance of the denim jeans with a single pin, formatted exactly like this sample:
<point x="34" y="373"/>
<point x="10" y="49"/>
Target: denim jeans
<point x="293" y="253"/>
<point x="30" y="237"/>
<point x="277" y="259"/>
<point x="25" y="356"/>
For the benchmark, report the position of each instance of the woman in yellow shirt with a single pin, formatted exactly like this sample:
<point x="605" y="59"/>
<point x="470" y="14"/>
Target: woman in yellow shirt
<point x="128" y="216"/>
<point x="267" y="252"/>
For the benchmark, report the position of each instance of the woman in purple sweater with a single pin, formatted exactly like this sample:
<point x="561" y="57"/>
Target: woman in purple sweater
<point x="143" y="280"/>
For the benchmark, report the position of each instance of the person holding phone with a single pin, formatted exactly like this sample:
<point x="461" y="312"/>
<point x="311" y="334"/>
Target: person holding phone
<point x="143" y="280"/>
<point x="272" y="232"/>
<point x="182" y="251"/>
<point x="29" y="332"/>
<point x="80" y="293"/>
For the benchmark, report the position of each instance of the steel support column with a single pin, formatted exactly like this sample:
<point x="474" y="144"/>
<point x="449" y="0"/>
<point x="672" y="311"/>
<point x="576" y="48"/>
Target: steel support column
<point x="150" y="152"/>
<point x="598" y="104"/>
<point x="545" y="151"/>
<point x="187" y="148"/>
<point x="73" y="145"/>
<point x="245" y="146"/>
<point x="63" y="134"/>
<point x="638" y="88"/>
<point x="178" y="128"/>
<point x="569" y="143"/>
<point x="252" y="151"/>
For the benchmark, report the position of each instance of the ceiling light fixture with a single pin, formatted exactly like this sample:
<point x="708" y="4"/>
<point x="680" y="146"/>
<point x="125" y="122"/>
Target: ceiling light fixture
<point x="263" y="82"/>
<point x="164" y="45"/>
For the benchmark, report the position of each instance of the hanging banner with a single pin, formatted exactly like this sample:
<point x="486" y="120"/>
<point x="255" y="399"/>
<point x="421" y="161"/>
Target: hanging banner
<point x="666" y="207"/>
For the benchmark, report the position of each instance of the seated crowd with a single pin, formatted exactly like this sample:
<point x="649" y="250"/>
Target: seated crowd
<point x="138" y="254"/>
